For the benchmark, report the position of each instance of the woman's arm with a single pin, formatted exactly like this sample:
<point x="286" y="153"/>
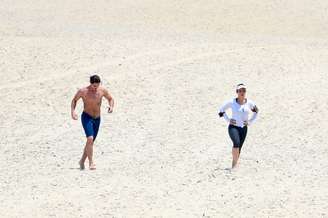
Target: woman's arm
<point x="222" y="110"/>
<point x="255" y="111"/>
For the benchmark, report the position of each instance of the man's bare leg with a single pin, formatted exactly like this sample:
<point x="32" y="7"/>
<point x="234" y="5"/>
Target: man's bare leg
<point x="89" y="152"/>
<point x="235" y="156"/>
<point x="83" y="158"/>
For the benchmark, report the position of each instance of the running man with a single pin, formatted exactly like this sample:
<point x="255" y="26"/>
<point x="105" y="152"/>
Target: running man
<point x="241" y="107"/>
<point x="92" y="97"/>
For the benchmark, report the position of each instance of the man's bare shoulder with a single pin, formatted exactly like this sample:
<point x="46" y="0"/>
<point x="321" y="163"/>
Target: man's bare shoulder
<point x="83" y="90"/>
<point x="103" y="90"/>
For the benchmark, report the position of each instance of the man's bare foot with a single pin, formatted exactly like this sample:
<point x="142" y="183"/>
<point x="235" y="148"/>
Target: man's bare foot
<point x="82" y="167"/>
<point x="92" y="166"/>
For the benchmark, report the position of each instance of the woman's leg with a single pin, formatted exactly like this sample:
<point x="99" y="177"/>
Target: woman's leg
<point x="235" y="138"/>
<point x="235" y="156"/>
<point x="242" y="136"/>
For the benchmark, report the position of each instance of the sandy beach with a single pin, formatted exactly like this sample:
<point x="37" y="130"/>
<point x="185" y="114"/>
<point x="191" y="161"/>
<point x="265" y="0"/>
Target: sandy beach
<point x="169" y="65"/>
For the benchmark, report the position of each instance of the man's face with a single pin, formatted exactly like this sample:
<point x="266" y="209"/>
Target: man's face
<point x="94" y="86"/>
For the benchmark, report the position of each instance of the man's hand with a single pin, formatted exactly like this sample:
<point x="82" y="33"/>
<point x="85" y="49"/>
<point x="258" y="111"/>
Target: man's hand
<point x="77" y="96"/>
<point x="74" y="115"/>
<point x="246" y="123"/>
<point x="110" y="101"/>
<point x="233" y="122"/>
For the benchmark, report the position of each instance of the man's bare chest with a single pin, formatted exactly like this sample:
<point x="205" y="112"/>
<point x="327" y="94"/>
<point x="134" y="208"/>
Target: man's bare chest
<point x="92" y="98"/>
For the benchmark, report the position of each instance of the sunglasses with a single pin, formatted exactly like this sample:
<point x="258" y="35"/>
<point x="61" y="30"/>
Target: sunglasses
<point x="241" y="90"/>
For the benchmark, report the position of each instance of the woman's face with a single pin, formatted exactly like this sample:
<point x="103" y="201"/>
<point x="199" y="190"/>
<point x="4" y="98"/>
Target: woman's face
<point x="241" y="93"/>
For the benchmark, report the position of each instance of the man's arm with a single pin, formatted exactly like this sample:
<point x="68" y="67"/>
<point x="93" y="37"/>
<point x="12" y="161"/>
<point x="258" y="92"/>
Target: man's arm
<point x="77" y="96"/>
<point x="110" y="100"/>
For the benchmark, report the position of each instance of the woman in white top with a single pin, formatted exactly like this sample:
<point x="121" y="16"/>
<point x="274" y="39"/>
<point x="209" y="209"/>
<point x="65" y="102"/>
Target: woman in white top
<point x="241" y="107"/>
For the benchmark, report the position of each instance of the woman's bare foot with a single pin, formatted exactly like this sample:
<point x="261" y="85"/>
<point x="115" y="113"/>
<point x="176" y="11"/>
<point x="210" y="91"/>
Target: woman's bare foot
<point x="82" y="167"/>
<point x="92" y="166"/>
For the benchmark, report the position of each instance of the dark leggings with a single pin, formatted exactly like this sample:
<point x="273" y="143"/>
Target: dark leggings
<point x="237" y="135"/>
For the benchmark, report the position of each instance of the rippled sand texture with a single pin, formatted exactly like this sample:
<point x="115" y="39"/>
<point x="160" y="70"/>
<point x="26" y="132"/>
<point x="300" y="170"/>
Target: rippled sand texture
<point x="169" y="65"/>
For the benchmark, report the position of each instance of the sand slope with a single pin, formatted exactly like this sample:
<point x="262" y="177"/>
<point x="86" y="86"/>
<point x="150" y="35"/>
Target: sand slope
<point x="169" y="65"/>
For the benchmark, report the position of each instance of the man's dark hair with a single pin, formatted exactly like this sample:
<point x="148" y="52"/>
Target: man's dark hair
<point x="94" y="79"/>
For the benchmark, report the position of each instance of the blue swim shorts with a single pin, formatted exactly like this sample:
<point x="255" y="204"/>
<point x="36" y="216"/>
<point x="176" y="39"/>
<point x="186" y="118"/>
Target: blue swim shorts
<point x="90" y="125"/>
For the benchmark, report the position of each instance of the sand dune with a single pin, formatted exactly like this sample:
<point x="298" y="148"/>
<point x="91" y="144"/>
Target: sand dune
<point x="169" y="65"/>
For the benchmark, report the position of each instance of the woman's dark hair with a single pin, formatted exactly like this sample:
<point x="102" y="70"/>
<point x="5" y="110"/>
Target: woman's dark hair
<point x="94" y="79"/>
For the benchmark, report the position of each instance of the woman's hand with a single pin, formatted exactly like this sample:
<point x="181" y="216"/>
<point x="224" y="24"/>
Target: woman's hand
<point x="255" y="109"/>
<point x="233" y="122"/>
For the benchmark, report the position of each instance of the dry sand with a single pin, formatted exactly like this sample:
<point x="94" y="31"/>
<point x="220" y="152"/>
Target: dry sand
<point x="169" y="65"/>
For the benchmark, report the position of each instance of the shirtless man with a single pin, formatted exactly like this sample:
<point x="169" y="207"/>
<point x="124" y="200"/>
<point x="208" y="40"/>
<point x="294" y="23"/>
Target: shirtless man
<point x="91" y="96"/>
